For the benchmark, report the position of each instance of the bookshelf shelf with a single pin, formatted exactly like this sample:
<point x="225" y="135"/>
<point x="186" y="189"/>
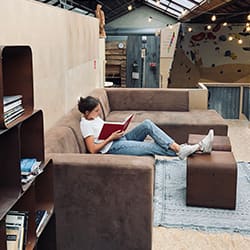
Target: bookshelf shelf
<point x="23" y="138"/>
<point x="16" y="78"/>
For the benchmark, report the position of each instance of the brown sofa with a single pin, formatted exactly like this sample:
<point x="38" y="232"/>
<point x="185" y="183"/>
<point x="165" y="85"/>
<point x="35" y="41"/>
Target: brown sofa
<point x="105" y="201"/>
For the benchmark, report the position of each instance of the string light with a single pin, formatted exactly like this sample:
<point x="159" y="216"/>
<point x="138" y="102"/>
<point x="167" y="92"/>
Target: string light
<point x="213" y="18"/>
<point x="224" y="24"/>
<point x="130" y="7"/>
<point x="240" y="41"/>
<point x="230" y="38"/>
<point x="190" y="29"/>
<point x="209" y="27"/>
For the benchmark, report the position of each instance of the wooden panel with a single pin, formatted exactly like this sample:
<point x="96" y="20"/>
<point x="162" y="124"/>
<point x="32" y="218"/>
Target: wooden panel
<point x="10" y="184"/>
<point x="116" y="62"/>
<point x="225" y="100"/>
<point x="31" y="135"/>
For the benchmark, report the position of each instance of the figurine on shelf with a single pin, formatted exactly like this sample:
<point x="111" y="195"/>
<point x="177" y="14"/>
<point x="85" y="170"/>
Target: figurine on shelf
<point x="100" y="15"/>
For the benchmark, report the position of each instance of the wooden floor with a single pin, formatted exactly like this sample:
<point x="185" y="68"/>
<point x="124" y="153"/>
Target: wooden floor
<point x="177" y="239"/>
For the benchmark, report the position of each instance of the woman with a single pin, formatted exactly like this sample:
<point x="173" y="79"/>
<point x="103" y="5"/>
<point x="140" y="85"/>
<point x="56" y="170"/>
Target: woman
<point x="133" y="142"/>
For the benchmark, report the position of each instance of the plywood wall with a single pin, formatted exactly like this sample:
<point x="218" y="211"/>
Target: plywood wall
<point x="65" y="47"/>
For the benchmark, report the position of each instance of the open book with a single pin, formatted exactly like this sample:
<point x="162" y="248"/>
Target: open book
<point x="110" y="127"/>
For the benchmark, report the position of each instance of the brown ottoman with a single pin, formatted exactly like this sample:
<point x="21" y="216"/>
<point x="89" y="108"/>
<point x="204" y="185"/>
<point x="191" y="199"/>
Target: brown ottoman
<point x="220" y="143"/>
<point x="212" y="180"/>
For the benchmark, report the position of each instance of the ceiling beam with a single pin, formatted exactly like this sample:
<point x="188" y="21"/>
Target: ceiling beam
<point x="203" y="8"/>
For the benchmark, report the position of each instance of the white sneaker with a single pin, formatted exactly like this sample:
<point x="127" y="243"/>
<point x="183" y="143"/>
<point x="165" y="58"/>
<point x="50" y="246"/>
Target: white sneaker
<point x="186" y="150"/>
<point x="207" y="142"/>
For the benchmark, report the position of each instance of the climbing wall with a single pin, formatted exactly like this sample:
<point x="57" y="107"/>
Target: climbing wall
<point x="209" y="55"/>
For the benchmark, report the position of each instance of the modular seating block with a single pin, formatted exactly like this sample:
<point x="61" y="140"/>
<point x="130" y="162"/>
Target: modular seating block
<point x="212" y="180"/>
<point x="220" y="143"/>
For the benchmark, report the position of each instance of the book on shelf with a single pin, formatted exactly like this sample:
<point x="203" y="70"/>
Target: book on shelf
<point x="16" y="229"/>
<point x="14" y="116"/>
<point x="10" y="99"/>
<point x="13" y="237"/>
<point x="12" y="108"/>
<point x="110" y="127"/>
<point x="30" y="168"/>
<point x="41" y="216"/>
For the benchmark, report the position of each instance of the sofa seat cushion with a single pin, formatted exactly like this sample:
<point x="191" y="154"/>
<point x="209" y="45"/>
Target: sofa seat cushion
<point x="177" y="124"/>
<point x="60" y="140"/>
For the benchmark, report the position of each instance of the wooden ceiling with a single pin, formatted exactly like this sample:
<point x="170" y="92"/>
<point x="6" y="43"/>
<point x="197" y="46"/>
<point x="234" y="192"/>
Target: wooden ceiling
<point x="231" y="11"/>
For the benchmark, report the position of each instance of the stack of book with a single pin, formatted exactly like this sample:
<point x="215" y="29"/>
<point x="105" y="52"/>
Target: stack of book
<point x="12" y="107"/>
<point x="30" y="168"/>
<point x="16" y="230"/>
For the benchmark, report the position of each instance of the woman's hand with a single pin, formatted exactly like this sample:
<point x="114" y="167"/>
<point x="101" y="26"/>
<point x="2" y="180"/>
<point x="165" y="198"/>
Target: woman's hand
<point x="116" y="135"/>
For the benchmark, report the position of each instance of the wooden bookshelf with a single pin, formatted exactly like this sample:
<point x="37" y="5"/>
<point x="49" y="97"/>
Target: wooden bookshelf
<point x="23" y="138"/>
<point x="16" y="77"/>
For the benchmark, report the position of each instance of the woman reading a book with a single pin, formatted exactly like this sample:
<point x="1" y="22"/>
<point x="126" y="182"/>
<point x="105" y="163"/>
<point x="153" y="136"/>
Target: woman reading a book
<point x="132" y="142"/>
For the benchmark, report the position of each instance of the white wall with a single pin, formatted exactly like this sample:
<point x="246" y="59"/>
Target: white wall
<point x="65" y="48"/>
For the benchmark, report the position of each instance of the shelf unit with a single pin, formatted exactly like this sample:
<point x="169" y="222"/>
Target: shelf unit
<point x="24" y="138"/>
<point x="16" y="77"/>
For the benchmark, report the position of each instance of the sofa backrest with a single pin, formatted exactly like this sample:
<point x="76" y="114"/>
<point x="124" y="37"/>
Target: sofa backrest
<point x="101" y="94"/>
<point x="72" y="121"/>
<point x="150" y="99"/>
<point x="60" y="140"/>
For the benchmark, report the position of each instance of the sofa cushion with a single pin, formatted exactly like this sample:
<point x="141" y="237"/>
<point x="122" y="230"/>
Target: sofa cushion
<point x="60" y="140"/>
<point x="101" y="94"/>
<point x="177" y="124"/>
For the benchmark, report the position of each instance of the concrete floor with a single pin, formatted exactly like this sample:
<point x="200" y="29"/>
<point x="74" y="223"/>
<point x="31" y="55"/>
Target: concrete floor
<point x="178" y="239"/>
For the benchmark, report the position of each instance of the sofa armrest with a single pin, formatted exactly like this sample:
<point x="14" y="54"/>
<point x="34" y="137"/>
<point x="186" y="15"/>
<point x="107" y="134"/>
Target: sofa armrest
<point x="103" y="201"/>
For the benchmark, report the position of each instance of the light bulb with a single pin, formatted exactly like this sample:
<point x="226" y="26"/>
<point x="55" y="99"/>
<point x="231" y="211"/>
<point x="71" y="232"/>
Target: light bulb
<point x="225" y="24"/>
<point x="149" y="19"/>
<point x="248" y="17"/>
<point x="213" y="18"/>
<point x="209" y="27"/>
<point x="230" y="38"/>
<point x="248" y="28"/>
<point x="170" y="26"/>
<point x="158" y="2"/>
<point x="240" y="41"/>
<point x="190" y="29"/>
<point x="130" y="7"/>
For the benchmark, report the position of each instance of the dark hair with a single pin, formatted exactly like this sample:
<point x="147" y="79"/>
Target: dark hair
<point x="87" y="104"/>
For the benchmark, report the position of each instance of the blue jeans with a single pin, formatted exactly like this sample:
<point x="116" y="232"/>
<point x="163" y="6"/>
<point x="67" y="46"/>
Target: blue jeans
<point x="132" y="143"/>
